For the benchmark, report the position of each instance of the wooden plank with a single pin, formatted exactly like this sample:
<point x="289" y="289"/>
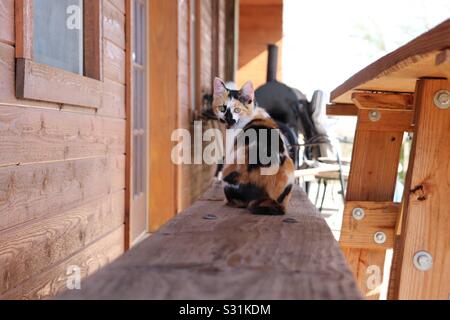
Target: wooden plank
<point x="7" y="22"/>
<point x="114" y="24"/>
<point x="114" y="62"/>
<point x="390" y="101"/>
<point x="399" y="70"/>
<point x="30" y="249"/>
<point x="235" y="256"/>
<point x="24" y="29"/>
<point x="390" y="120"/>
<point x="372" y="177"/>
<point x="129" y="44"/>
<point x="426" y="214"/>
<point x="33" y="191"/>
<point x="93" y="39"/>
<point x="378" y="217"/>
<point x="44" y="83"/>
<point x="341" y="109"/>
<point x="163" y="92"/>
<point x="29" y="135"/>
<point x="119" y="4"/>
<point x="113" y="100"/>
<point x="50" y="282"/>
<point x="7" y="80"/>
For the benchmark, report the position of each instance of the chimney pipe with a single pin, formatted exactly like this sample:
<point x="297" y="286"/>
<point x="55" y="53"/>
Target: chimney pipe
<point x="272" y="63"/>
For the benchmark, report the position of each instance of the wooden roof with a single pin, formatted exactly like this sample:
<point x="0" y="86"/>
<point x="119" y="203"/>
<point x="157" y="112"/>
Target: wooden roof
<point x="426" y="56"/>
<point x="212" y="251"/>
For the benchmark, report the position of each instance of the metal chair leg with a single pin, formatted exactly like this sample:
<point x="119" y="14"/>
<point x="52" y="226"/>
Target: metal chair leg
<point x="319" y="183"/>
<point x="325" y="183"/>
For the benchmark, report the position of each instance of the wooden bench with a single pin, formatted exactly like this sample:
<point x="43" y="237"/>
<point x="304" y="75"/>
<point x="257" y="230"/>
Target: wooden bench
<point x="212" y="251"/>
<point x="405" y="91"/>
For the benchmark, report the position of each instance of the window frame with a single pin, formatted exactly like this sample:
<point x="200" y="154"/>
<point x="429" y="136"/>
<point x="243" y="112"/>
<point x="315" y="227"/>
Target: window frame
<point x="33" y="80"/>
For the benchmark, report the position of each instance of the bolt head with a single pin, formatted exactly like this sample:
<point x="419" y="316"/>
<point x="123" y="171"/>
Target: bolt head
<point x="374" y="115"/>
<point x="442" y="99"/>
<point x="358" y="213"/>
<point x="423" y="260"/>
<point x="380" y="237"/>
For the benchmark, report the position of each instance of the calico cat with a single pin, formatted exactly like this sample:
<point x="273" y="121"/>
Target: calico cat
<point x="264" y="188"/>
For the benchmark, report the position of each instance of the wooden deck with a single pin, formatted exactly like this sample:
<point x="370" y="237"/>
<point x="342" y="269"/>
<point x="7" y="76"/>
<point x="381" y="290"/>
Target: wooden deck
<point x="212" y="251"/>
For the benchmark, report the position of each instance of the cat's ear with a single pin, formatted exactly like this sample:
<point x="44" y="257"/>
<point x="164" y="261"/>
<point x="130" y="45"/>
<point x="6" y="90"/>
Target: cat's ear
<point x="219" y="87"/>
<point x="248" y="90"/>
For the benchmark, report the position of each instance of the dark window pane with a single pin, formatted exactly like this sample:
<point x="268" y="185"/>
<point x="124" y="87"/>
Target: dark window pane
<point x="58" y="34"/>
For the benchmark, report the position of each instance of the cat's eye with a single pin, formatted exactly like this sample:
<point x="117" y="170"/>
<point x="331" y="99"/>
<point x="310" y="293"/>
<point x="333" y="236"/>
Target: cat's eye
<point x="222" y="108"/>
<point x="237" y="110"/>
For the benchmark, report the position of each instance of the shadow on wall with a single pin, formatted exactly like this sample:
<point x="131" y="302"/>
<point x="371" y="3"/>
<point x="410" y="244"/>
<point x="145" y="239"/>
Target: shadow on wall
<point x="261" y="23"/>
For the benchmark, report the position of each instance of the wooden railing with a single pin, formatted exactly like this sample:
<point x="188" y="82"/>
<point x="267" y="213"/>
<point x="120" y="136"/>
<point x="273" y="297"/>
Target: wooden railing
<point x="212" y="251"/>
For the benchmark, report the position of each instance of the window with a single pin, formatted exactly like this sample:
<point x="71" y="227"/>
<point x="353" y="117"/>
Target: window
<point x="58" y="34"/>
<point x="58" y="51"/>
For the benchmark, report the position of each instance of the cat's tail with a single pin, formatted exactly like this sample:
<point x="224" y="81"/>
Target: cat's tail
<point x="267" y="207"/>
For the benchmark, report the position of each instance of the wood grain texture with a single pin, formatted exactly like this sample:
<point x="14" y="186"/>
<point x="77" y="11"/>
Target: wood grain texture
<point x="163" y="55"/>
<point x="8" y="80"/>
<point x="31" y="192"/>
<point x="373" y="175"/>
<point x="399" y="70"/>
<point x="390" y="101"/>
<point x="93" y="39"/>
<point x="236" y="256"/>
<point x="30" y="135"/>
<point x="426" y="213"/>
<point x="33" y="81"/>
<point x="24" y="28"/>
<point x="391" y="120"/>
<point x="114" y="62"/>
<point x="53" y="281"/>
<point x="114" y="24"/>
<point x="341" y="109"/>
<point x="119" y="4"/>
<point x="378" y="216"/>
<point x="7" y="22"/>
<point x="29" y="250"/>
<point x="259" y="25"/>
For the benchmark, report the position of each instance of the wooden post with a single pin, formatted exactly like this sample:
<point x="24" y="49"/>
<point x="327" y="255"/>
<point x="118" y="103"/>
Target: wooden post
<point x="373" y="177"/>
<point x="426" y="220"/>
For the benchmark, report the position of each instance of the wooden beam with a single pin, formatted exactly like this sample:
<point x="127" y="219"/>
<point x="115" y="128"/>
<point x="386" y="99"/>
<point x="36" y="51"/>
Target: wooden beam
<point x="399" y="70"/>
<point x="41" y="82"/>
<point x="426" y="221"/>
<point x="381" y="100"/>
<point x="213" y="251"/>
<point x="163" y="91"/>
<point x="378" y="217"/>
<point x="373" y="176"/>
<point x="342" y="109"/>
<point x="24" y="28"/>
<point x="389" y="120"/>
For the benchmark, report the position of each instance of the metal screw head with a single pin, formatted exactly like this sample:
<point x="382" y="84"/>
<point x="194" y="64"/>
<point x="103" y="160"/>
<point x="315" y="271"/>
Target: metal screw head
<point x="423" y="260"/>
<point x="442" y="99"/>
<point x="358" y="213"/>
<point x="374" y="115"/>
<point x="210" y="217"/>
<point x="379" y="237"/>
<point x="290" y="220"/>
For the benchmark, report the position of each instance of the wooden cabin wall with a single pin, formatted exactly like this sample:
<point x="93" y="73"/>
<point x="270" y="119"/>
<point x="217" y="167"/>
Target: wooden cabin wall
<point x="194" y="179"/>
<point x="260" y="24"/>
<point x="62" y="173"/>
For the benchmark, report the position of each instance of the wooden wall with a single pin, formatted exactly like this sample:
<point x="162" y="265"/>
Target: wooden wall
<point x="62" y="173"/>
<point x="194" y="179"/>
<point x="62" y="168"/>
<point x="260" y="24"/>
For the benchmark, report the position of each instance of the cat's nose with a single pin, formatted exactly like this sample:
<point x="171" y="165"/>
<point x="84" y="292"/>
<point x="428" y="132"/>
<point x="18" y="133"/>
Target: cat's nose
<point x="229" y="118"/>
